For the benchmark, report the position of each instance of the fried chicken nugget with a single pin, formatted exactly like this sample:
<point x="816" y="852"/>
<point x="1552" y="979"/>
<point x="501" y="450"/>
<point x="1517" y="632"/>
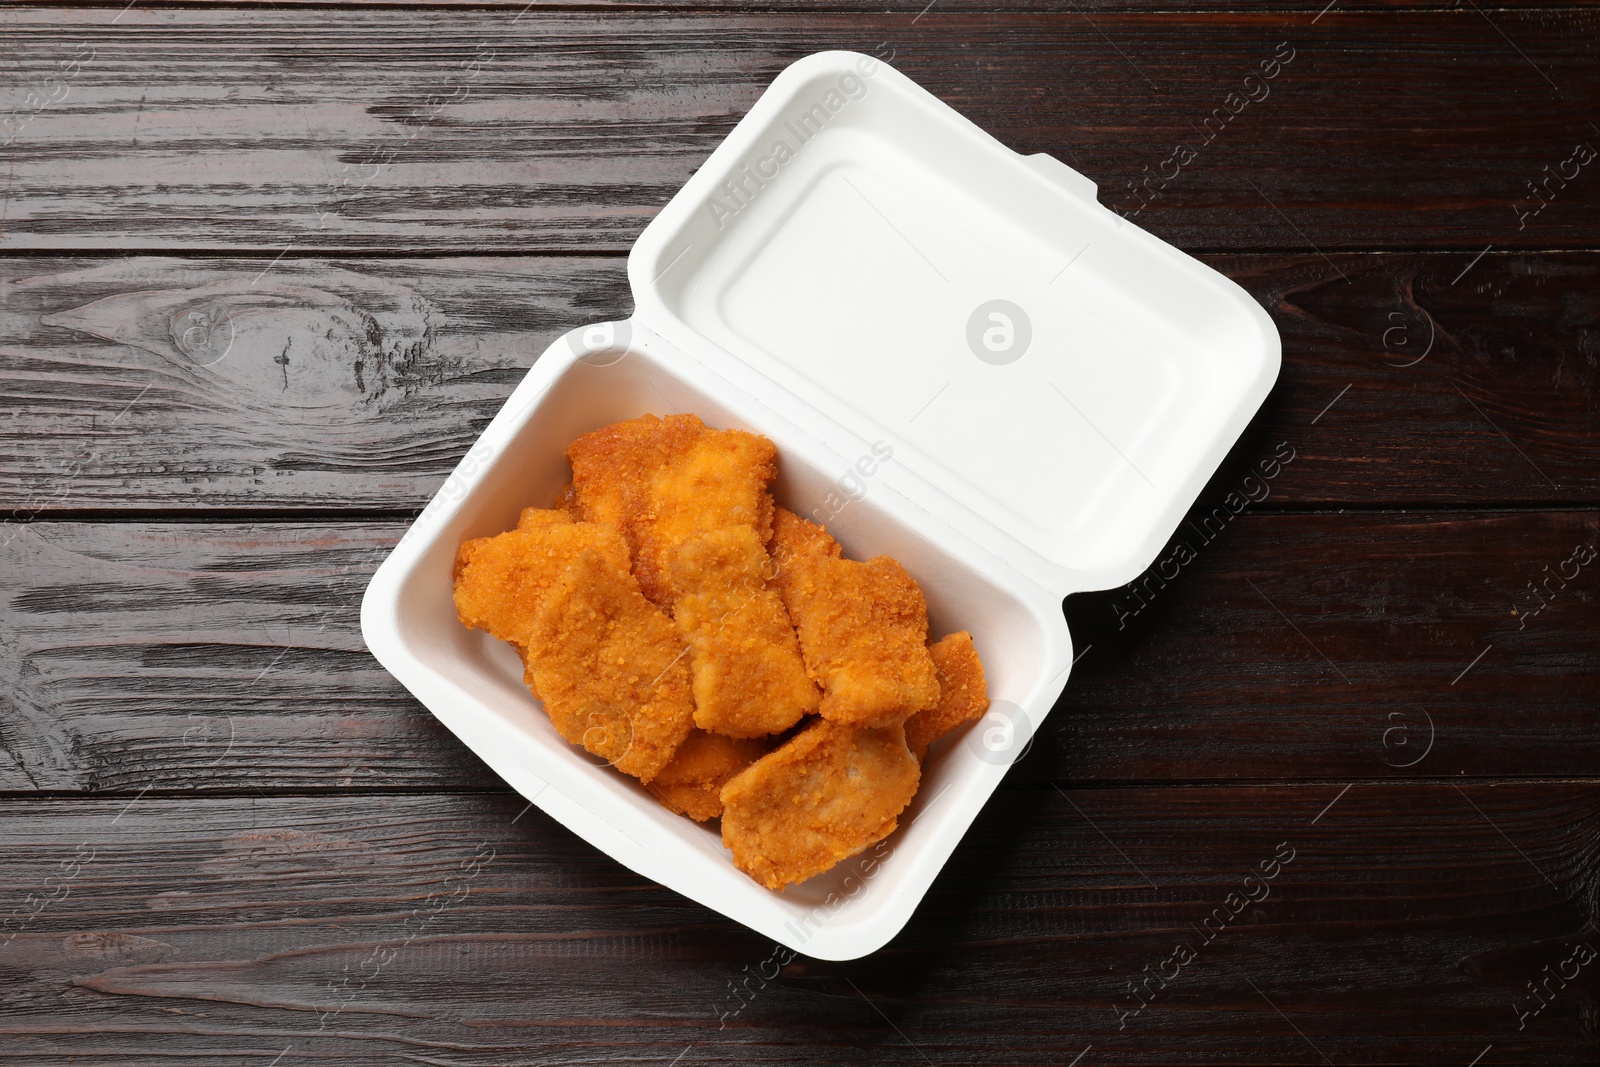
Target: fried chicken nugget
<point x="705" y="545"/>
<point x="500" y="581"/>
<point x="749" y="678"/>
<point x="610" y="667"/>
<point x="613" y="469"/>
<point x="824" y="795"/>
<point x="720" y="481"/>
<point x="963" y="693"/>
<point x="796" y="541"/>
<point x="691" y="784"/>
<point x="662" y="481"/>
<point x="863" y="627"/>
<point x="693" y="504"/>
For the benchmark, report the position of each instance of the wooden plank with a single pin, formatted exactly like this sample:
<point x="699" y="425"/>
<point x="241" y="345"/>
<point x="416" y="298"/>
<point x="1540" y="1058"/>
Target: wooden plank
<point x="155" y="383"/>
<point x="175" y="648"/>
<point x="1401" y="924"/>
<point x="220" y="657"/>
<point x="321" y="383"/>
<point x="408" y="130"/>
<point x="912" y="10"/>
<point x="1418" y="380"/>
<point x="1392" y="645"/>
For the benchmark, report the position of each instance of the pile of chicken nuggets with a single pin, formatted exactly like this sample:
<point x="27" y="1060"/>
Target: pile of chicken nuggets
<point x="677" y="623"/>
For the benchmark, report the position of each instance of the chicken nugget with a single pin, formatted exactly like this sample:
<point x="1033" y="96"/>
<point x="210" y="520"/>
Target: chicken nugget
<point x="963" y="693"/>
<point x="749" y="678"/>
<point x="693" y="505"/>
<point x="720" y="481"/>
<point x="863" y="627"/>
<point x="500" y="581"/>
<point x="610" y="667"/>
<point x="662" y="481"/>
<point x="796" y="540"/>
<point x="824" y="795"/>
<point x="613" y="469"/>
<point x="691" y="784"/>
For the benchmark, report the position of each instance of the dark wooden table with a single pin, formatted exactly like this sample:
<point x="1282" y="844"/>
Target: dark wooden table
<point x="228" y="837"/>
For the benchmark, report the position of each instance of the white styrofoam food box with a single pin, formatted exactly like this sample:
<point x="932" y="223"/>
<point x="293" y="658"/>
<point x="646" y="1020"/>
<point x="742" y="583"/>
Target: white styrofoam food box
<point x="965" y="361"/>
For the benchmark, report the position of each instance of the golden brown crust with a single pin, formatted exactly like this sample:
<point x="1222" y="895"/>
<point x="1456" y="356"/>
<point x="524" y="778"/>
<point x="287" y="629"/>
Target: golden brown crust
<point x="610" y="667"/>
<point x="749" y="679"/>
<point x="824" y="795"/>
<point x="719" y="481"/>
<point x="963" y="693"/>
<point x="796" y="540"/>
<point x="500" y="581"/>
<point x="694" y="508"/>
<point x="662" y="481"/>
<point x="673" y="622"/>
<point x="567" y="500"/>
<point x="691" y="784"/>
<point x="863" y="627"/>
<point x="538" y="518"/>
<point x="613" y="469"/>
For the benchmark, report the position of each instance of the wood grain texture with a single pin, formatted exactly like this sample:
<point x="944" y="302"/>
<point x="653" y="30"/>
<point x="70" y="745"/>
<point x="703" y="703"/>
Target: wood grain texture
<point x="203" y="657"/>
<point x="1428" y="380"/>
<point x="151" y="382"/>
<point x="914" y="11"/>
<point x="309" y="383"/>
<point x="1400" y="926"/>
<point x="227" y="836"/>
<point x="396" y="130"/>
<point x="174" y="648"/>
<point x="1390" y="645"/>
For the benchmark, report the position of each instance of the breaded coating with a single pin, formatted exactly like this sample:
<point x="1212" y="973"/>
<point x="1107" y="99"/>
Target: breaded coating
<point x="535" y="518"/>
<point x="691" y="784"/>
<point x="567" y="501"/>
<point x="546" y="570"/>
<point x="662" y="481"/>
<point x="611" y="668"/>
<point x="719" y="482"/>
<point x="963" y="693"/>
<point x="796" y="540"/>
<point x="863" y="627"/>
<point x="749" y="679"/>
<point x="612" y="472"/>
<point x="675" y="623"/>
<point x="500" y="581"/>
<point x="693" y="506"/>
<point x="824" y="795"/>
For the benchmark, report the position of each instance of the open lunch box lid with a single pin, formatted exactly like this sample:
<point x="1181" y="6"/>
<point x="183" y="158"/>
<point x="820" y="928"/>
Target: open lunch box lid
<point x="1037" y="391"/>
<point x="1054" y="381"/>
